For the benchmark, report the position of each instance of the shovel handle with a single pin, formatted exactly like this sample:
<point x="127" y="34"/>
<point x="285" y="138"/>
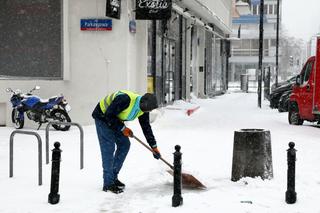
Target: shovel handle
<point x="145" y="145"/>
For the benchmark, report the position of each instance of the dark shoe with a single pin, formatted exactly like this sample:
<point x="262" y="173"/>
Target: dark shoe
<point x="119" y="184"/>
<point x="112" y="188"/>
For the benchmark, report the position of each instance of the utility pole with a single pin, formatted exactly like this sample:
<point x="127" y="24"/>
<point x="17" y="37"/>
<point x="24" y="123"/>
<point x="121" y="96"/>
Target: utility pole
<point x="260" y="52"/>
<point x="277" y="44"/>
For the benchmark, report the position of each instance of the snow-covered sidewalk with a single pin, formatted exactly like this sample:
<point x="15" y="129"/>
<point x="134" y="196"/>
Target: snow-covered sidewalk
<point x="206" y="138"/>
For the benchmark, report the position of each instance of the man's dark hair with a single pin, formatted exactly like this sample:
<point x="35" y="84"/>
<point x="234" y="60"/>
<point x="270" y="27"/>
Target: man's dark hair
<point x="148" y="102"/>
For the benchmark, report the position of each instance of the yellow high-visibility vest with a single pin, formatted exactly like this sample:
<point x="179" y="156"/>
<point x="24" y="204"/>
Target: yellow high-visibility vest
<point x="131" y="112"/>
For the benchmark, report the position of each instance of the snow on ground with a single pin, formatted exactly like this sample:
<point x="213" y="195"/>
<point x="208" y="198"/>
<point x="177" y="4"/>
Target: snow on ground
<point x="206" y="138"/>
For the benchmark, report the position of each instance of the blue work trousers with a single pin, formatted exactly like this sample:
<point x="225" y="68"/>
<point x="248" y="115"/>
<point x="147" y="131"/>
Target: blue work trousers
<point x="114" y="148"/>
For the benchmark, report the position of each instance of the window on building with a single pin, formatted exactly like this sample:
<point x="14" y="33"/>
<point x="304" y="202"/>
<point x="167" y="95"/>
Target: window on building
<point x="236" y="44"/>
<point x="245" y="44"/>
<point x="265" y="43"/>
<point x="257" y="9"/>
<point x="270" y="9"/>
<point x="273" y="42"/>
<point x="265" y="9"/>
<point x="275" y="9"/>
<point x="254" y="44"/>
<point x="254" y="9"/>
<point x="31" y="38"/>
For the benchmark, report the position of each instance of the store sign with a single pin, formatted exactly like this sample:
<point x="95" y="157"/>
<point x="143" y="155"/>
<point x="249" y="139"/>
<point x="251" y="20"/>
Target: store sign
<point x="113" y="8"/>
<point x="96" y="24"/>
<point x="153" y="9"/>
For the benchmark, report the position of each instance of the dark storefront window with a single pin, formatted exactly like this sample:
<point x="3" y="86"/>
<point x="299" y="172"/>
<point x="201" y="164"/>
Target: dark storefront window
<point x="31" y="38"/>
<point x="166" y="55"/>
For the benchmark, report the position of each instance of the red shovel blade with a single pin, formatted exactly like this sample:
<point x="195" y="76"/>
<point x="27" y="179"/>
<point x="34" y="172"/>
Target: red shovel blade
<point x="189" y="181"/>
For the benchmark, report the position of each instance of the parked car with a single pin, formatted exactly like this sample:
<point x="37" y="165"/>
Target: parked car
<point x="281" y="83"/>
<point x="278" y="92"/>
<point x="284" y="101"/>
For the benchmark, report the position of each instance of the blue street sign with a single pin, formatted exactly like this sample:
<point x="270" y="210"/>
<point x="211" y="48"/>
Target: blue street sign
<point x="96" y="24"/>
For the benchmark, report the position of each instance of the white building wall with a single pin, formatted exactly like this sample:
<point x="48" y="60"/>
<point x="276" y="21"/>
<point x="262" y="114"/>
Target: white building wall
<point x="98" y="62"/>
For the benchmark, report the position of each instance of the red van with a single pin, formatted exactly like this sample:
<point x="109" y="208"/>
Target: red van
<point x="304" y="101"/>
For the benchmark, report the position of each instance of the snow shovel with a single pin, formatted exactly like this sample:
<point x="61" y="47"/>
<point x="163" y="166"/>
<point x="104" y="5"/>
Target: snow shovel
<point x="188" y="180"/>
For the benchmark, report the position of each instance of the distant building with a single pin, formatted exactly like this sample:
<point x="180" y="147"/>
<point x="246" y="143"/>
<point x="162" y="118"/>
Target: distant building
<point x="311" y="46"/>
<point x="245" y="51"/>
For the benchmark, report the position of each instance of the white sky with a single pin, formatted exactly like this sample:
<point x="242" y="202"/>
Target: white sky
<point x="301" y="18"/>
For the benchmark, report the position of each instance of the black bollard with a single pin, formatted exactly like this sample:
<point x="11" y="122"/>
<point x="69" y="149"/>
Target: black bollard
<point x="291" y="195"/>
<point x="177" y="199"/>
<point x="54" y="197"/>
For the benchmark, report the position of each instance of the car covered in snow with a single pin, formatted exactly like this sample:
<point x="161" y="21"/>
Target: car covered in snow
<point x="288" y="81"/>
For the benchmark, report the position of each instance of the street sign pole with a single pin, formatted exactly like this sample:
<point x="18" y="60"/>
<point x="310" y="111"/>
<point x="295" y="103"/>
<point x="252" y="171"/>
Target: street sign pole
<point x="260" y="53"/>
<point x="277" y="44"/>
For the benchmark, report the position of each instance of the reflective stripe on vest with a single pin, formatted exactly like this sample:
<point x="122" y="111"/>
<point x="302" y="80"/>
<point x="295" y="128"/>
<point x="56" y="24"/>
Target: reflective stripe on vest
<point x="131" y="112"/>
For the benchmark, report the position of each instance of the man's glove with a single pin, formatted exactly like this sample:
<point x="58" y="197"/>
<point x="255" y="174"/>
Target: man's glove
<point x="156" y="153"/>
<point x="127" y="132"/>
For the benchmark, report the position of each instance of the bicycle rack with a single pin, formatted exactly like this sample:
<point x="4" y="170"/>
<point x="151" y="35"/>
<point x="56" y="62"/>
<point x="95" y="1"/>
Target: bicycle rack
<point x="39" y="152"/>
<point x="64" y="123"/>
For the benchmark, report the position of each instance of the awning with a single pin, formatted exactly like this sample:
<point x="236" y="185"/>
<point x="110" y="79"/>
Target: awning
<point x="197" y="8"/>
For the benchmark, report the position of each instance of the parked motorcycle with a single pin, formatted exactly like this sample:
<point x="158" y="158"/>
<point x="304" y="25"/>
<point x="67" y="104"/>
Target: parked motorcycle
<point x="41" y="111"/>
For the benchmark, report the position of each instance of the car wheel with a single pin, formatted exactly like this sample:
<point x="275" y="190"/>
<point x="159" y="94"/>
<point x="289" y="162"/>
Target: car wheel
<point x="280" y="109"/>
<point x="294" y="116"/>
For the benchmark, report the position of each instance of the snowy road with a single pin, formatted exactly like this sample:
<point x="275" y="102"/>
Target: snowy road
<point x="206" y="138"/>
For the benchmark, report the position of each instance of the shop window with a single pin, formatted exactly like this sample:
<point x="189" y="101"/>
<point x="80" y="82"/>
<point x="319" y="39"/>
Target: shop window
<point x="31" y="38"/>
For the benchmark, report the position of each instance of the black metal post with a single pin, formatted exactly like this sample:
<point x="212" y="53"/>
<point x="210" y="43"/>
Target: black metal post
<point x="260" y="53"/>
<point x="277" y="44"/>
<point x="267" y="85"/>
<point x="177" y="199"/>
<point x="291" y="195"/>
<point x="54" y="197"/>
<point x="266" y="81"/>
<point x="228" y="55"/>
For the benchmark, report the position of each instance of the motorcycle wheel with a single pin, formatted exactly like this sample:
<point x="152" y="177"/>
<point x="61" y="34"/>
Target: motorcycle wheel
<point x="60" y="115"/>
<point x="18" y="123"/>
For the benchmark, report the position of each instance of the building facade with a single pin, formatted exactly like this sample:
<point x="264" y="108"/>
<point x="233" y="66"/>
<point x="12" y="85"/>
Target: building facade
<point x="50" y="44"/>
<point x="245" y="51"/>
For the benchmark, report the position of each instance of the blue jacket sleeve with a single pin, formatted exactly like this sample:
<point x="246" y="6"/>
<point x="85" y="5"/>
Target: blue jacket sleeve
<point x="120" y="103"/>
<point x="147" y="131"/>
